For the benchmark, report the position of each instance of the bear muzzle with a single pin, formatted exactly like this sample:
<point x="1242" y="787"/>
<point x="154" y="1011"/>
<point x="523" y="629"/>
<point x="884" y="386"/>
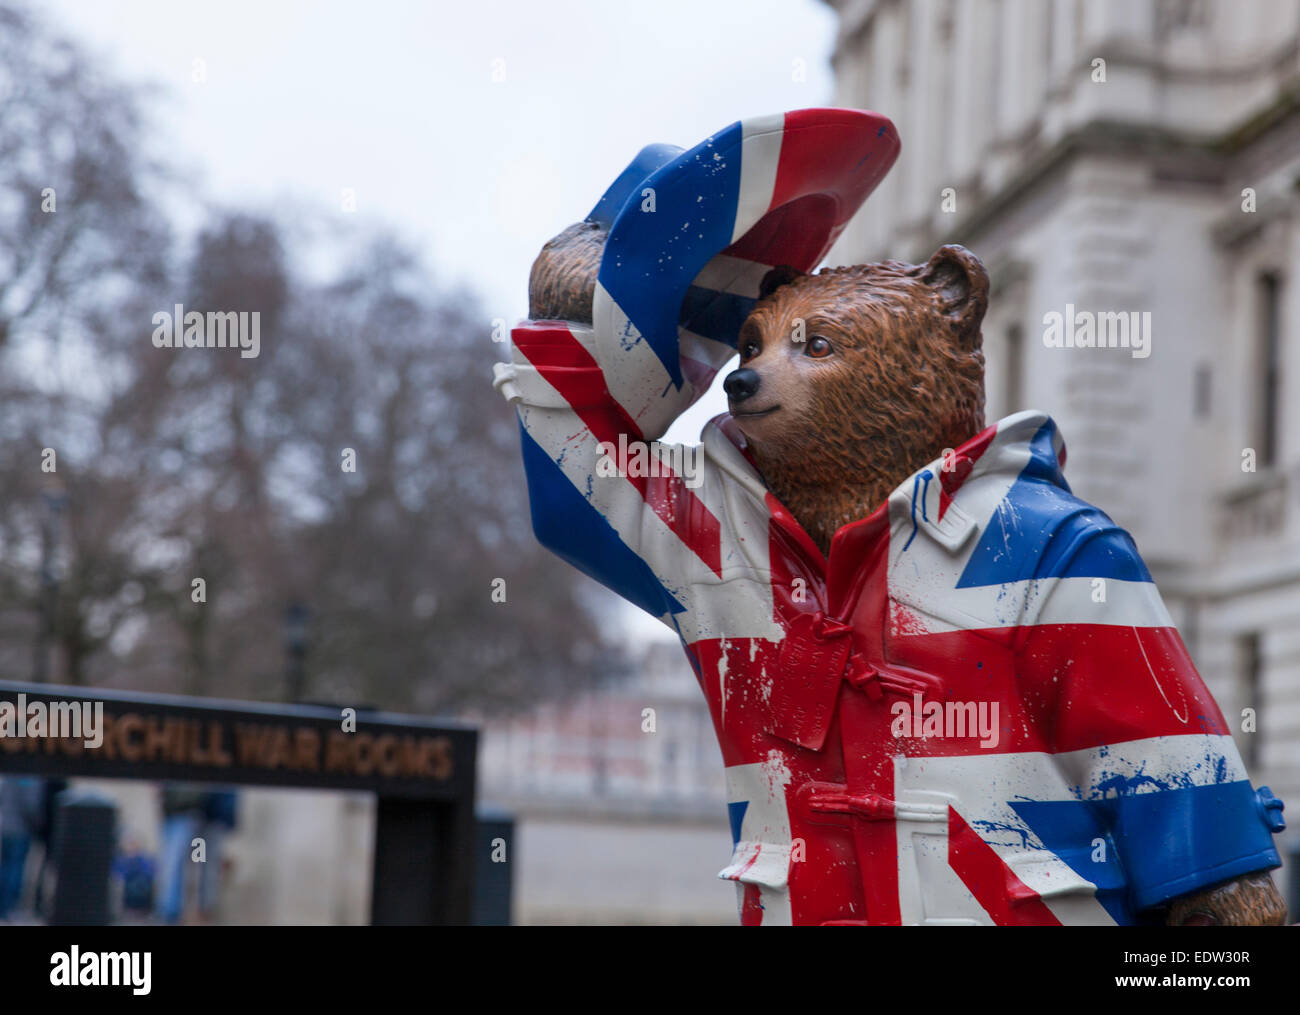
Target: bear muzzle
<point x="741" y="384"/>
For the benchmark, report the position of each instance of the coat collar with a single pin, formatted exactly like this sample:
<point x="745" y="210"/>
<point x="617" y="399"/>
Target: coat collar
<point x="929" y="501"/>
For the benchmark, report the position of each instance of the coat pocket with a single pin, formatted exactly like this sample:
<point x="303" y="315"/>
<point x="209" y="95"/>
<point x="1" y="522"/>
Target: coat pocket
<point x="759" y="863"/>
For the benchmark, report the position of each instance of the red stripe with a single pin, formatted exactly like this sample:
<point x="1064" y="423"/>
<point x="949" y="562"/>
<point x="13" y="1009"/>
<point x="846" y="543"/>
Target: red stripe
<point x="830" y="160"/>
<point x="570" y="369"/>
<point x="1070" y="687"/>
<point x="1006" y="898"/>
<point x="841" y="152"/>
<point x="962" y="462"/>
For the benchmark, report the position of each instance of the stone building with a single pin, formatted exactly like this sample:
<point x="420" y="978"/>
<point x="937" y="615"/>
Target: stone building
<point x="1128" y="157"/>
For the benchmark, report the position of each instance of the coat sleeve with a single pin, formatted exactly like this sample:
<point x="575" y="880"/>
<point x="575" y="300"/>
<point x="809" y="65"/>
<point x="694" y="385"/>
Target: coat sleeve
<point x="1137" y="734"/>
<point x="623" y="511"/>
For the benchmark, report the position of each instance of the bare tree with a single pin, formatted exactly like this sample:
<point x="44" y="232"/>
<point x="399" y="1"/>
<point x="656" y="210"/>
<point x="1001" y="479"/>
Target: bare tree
<point x="75" y="219"/>
<point x="80" y="247"/>
<point x="359" y="470"/>
<point x="429" y="582"/>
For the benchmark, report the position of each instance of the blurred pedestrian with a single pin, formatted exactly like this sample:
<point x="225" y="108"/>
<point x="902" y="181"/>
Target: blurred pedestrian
<point x="183" y="816"/>
<point x="137" y="871"/>
<point x="43" y="834"/>
<point x="220" y="814"/>
<point x="21" y="814"/>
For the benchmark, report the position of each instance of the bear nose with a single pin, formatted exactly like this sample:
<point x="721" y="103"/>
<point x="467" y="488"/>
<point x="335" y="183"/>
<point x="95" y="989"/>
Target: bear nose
<point x="740" y="384"/>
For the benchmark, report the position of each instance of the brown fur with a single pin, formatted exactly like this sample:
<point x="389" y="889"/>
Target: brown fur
<point x="904" y="382"/>
<point x="562" y="283"/>
<point x="1250" y="901"/>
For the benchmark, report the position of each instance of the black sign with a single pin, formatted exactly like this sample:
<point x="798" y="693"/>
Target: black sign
<point x="422" y="770"/>
<point x="111" y="734"/>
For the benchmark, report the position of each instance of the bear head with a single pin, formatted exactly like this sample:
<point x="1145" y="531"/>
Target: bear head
<point x="853" y="378"/>
<point x="849" y="380"/>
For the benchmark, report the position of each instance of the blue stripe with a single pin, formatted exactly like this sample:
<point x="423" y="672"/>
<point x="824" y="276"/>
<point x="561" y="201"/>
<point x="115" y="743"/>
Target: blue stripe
<point x="1041" y="530"/>
<point x="736" y="814"/>
<point x="651" y="258"/>
<point x="1159" y="845"/>
<point x="630" y="182"/>
<point x="715" y="315"/>
<point x="567" y="524"/>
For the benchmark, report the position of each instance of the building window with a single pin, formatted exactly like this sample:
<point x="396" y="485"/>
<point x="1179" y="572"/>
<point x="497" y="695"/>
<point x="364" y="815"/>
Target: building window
<point x="994" y="56"/>
<point x="904" y="64"/>
<point x="1268" y="369"/>
<point x="1015" y="395"/>
<point x="1201" y="392"/>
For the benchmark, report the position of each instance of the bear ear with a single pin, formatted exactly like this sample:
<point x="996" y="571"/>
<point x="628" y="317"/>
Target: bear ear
<point x="777" y="277"/>
<point x="961" y="285"/>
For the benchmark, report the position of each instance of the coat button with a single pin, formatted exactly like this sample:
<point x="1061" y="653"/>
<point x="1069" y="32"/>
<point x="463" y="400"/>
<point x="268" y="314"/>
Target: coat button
<point x="864" y="677"/>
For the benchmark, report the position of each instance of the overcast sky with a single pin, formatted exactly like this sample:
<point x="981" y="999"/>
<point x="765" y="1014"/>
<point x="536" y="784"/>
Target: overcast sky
<point x="397" y="100"/>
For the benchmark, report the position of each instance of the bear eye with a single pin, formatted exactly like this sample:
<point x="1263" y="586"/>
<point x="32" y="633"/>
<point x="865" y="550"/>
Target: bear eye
<point x="748" y="349"/>
<point x="818" y="347"/>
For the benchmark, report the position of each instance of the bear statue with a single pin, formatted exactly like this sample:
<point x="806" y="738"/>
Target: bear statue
<point x="946" y="690"/>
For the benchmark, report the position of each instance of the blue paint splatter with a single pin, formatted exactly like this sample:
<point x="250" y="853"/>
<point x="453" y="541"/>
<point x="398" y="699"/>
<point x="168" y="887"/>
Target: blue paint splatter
<point x="926" y="475"/>
<point x="1001" y="826"/>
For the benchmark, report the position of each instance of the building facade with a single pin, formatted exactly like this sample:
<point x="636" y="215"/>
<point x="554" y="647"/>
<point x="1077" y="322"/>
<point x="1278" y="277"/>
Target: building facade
<point x="1137" y="163"/>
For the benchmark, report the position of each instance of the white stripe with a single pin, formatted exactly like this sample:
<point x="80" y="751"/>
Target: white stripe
<point x="735" y="275"/>
<point x="1028" y="603"/>
<point x="760" y="155"/>
<point x="634" y="374"/>
<point x="1181" y="761"/>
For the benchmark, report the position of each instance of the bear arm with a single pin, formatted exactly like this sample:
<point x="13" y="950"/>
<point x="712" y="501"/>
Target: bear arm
<point x="630" y="519"/>
<point x="1135" y="721"/>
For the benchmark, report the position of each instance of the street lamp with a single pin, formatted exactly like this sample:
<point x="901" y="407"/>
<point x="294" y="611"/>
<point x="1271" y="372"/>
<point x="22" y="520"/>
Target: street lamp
<point x="54" y="497"/>
<point x="296" y="619"/>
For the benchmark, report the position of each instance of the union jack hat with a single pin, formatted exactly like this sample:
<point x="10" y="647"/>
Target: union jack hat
<point x="692" y="233"/>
